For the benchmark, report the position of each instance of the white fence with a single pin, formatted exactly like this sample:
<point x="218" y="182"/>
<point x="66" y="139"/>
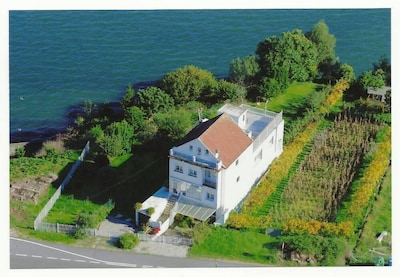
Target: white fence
<point x="70" y="229"/>
<point x="43" y="213"/>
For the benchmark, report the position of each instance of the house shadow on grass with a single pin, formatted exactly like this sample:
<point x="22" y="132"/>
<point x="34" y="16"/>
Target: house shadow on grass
<point x="131" y="182"/>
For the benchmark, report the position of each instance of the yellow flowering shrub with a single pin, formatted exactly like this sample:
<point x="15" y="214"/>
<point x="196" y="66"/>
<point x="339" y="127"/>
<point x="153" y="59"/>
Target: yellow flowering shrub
<point x="247" y="221"/>
<point x="315" y="227"/>
<point x="335" y="95"/>
<point x="369" y="181"/>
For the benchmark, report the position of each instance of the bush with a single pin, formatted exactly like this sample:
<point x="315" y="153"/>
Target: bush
<point x="20" y="152"/>
<point x="150" y="211"/>
<point x="79" y="233"/>
<point x="92" y="219"/>
<point x="128" y="241"/>
<point x="201" y="232"/>
<point x="325" y="250"/>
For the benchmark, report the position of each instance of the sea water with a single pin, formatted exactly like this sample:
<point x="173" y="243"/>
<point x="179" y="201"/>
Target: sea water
<point x="60" y="59"/>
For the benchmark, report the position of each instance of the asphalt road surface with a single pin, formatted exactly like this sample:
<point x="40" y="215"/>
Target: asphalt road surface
<point x="30" y="254"/>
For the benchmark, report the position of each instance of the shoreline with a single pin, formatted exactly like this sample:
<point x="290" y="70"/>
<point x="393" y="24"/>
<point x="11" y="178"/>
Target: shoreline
<point x="49" y="133"/>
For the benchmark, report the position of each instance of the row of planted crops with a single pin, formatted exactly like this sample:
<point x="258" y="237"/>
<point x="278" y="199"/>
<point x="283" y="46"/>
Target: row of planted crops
<point x="326" y="177"/>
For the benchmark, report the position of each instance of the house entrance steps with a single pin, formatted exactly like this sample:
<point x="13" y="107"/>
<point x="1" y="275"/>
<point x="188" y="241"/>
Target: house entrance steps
<point x="171" y="203"/>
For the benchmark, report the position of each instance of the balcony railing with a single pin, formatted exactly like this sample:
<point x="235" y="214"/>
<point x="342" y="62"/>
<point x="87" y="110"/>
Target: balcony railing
<point x="195" y="160"/>
<point x="210" y="184"/>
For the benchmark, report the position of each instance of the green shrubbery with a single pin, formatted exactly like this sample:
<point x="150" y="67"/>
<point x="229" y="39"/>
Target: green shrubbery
<point x="325" y="251"/>
<point x="128" y="241"/>
<point x="31" y="167"/>
<point x="92" y="219"/>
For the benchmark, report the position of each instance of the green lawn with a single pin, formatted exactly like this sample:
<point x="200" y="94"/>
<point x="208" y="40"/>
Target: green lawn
<point x="67" y="209"/>
<point x="292" y="99"/>
<point x="379" y="220"/>
<point x="238" y="245"/>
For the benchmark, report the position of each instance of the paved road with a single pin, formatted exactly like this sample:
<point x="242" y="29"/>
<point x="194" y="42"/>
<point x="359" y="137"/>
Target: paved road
<point x="32" y="254"/>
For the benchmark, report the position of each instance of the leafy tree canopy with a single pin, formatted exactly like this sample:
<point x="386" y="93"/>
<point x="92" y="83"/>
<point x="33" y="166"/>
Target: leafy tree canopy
<point x="228" y="91"/>
<point x="324" y="42"/>
<point x="129" y="97"/>
<point x="153" y="99"/>
<point x="347" y="72"/>
<point x="372" y="79"/>
<point x="243" y="71"/>
<point x="117" y="139"/>
<point x="188" y="83"/>
<point x="384" y="64"/>
<point x="135" y="117"/>
<point x="292" y="57"/>
<point x="173" y="125"/>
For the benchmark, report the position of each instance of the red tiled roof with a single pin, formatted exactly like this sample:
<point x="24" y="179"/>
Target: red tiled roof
<point x="221" y="133"/>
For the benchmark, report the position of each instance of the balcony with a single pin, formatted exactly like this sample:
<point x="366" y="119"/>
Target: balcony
<point x="194" y="160"/>
<point x="210" y="184"/>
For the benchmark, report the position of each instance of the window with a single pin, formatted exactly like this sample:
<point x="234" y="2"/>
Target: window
<point x="191" y="148"/>
<point x="208" y="173"/>
<point x="207" y="151"/>
<point x="210" y="196"/>
<point x="198" y="151"/>
<point x="178" y="168"/>
<point x="258" y="157"/>
<point x="237" y="161"/>
<point x="193" y="172"/>
<point x="237" y="179"/>
<point x="271" y="141"/>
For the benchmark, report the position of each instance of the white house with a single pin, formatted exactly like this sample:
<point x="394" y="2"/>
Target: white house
<point x="213" y="168"/>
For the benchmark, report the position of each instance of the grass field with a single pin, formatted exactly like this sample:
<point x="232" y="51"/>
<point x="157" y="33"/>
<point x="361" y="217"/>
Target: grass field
<point x="293" y="100"/>
<point x="67" y="209"/>
<point x="238" y="245"/>
<point x="378" y="220"/>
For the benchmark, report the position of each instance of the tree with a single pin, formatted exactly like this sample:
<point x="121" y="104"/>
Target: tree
<point x="117" y="139"/>
<point x="372" y="79"/>
<point x="347" y="72"/>
<point x="152" y="100"/>
<point x="148" y="131"/>
<point x="324" y="42"/>
<point x="96" y="132"/>
<point x="229" y="91"/>
<point x="292" y="57"/>
<point x="188" y="83"/>
<point x="173" y="125"/>
<point x="384" y="64"/>
<point x="129" y="97"/>
<point x="135" y="117"/>
<point x="243" y="71"/>
<point x="269" y="87"/>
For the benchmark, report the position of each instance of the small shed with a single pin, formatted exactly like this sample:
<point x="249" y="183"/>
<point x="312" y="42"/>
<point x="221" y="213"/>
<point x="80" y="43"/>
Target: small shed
<point x="379" y="92"/>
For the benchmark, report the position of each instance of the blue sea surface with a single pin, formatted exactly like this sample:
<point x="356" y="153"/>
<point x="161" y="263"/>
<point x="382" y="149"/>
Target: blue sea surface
<point x="59" y="59"/>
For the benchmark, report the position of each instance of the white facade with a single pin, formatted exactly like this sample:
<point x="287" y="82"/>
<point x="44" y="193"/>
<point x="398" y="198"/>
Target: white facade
<point x="198" y="174"/>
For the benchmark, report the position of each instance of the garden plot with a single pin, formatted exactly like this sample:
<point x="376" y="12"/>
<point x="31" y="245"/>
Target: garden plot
<point x="324" y="177"/>
<point x="31" y="189"/>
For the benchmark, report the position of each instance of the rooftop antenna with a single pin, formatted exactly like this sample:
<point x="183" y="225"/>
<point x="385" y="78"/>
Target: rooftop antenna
<point x="199" y="111"/>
